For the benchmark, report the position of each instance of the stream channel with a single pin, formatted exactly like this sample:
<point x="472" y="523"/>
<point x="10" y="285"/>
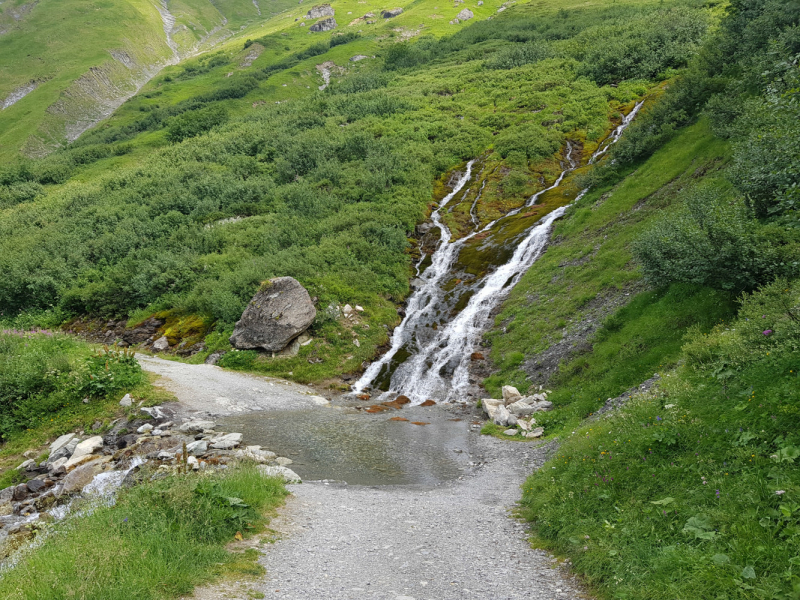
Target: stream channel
<point x="457" y="287"/>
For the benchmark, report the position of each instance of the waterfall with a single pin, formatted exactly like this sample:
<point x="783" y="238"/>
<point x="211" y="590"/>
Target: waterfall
<point x="427" y="361"/>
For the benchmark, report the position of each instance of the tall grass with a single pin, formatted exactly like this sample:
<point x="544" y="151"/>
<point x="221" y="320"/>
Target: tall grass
<point x="162" y="538"/>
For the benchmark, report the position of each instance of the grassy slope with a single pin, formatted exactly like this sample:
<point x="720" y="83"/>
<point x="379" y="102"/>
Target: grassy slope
<point x="592" y="259"/>
<point x="690" y="491"/>
<point x="57" y="42"/>
<point x="161" y="539"/>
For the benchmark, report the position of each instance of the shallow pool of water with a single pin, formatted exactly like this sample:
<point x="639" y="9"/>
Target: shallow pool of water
<point x="341" y="443"/>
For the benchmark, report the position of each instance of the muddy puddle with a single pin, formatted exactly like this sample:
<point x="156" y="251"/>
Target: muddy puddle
<point x="344" y="444"/>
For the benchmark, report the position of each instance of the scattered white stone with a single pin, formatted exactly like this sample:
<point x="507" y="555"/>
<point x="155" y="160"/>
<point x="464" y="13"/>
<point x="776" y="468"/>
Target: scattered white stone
<point x="520" y="408"/>
<point x="536" y="433"/>
<point x="356" y="343"/>
<point x="126" y="400"/>
<point x="83" y="451"/>
<point x="196" y="426"/>
<point x="146" y="428"/>
<point x="283" y="461"/>
<point x="161" y="344"/>
<point x="227" y="442"/>
<point x="347" y="310"/>
<point x="510" y="432"/>
<point x="28" y="463"/>
<point x="193" y="463"/>
<point x="359" y="308"/>
<point x="284" y="473"/>
<point x="164" y="455"/>
<point x="510" y="394"/>
<point x="490" y="406"/>
<point x="61" y="442"/>
<point x="197" y="447"/>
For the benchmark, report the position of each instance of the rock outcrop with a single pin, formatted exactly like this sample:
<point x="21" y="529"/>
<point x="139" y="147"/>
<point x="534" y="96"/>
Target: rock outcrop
<point x="279" y="312"/>
<point x="392" y="12"/>
<point x="319" y="11"/>
<point x="323" y="25"/>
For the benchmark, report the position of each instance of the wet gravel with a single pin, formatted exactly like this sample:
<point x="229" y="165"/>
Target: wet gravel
<point x="456" y="540"/>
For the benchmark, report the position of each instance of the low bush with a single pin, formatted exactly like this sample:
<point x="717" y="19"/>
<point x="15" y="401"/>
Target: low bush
<point x="44" y="376"/>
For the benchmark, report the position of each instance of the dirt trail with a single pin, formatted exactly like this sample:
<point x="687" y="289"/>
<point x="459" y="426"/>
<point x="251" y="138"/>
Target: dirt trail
<point x="455" y="540"/>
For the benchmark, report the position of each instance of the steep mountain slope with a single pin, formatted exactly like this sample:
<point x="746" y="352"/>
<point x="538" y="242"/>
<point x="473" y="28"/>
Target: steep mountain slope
<point x="66" y="66"/>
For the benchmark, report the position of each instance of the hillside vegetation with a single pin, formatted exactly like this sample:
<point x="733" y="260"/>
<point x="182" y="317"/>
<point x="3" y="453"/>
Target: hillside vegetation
<point x="68" y="65"/>
<point x="203" y="186"/>
<point x="683" y="261"/>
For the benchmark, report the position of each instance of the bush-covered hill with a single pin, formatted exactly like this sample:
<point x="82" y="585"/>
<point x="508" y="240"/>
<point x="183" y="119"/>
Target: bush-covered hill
<point x="690" y="490"/>
<point x="209" y="187"/>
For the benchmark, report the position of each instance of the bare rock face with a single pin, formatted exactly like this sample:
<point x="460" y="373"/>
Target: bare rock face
<point x="323" y="25"/>
<point x="279" y="312"/>
<point x="319" y="11"/>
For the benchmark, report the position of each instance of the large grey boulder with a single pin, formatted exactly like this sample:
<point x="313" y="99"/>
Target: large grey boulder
<point x="279" y="312"/>
<point x="510" y="394"/>
<point x="83" y="451"/>
<point x="323" y="25"/>
<point x="465" y="15"/>
<point x="319" y="11"/>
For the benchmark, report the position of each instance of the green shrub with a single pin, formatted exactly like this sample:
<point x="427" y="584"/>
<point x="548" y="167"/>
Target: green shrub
<point x="712" y="240"/>
<point x="43" y="374"/>
<point x="518" y="55"/>
<point x="195" y="122"/>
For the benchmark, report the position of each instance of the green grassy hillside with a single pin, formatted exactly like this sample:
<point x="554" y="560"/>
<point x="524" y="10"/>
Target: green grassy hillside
<point x="67" y="65"/>
<point x="325" y="186"/>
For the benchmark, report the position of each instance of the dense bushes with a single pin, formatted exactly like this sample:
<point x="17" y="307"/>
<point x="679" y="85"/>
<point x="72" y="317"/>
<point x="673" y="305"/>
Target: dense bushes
<point x="195" y="122"/>
<point x="712" y="240"/>
<point x="44" y="374"/>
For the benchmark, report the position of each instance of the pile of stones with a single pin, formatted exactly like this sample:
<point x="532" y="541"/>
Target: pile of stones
<point x="514" y="411"/>
<point x="73" y="464"/>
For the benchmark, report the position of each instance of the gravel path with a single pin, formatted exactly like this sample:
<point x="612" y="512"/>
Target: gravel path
<point x="403" y="543"/>
<point x="212" y="391"/>
<point x="454" y="540"/>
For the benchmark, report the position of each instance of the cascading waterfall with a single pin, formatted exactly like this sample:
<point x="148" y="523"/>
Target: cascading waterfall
<point x="428" y="361"/>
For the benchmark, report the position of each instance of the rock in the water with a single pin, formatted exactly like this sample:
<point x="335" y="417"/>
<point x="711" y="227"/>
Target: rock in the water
<point x="510" y="394"/>
<point x="84" y="449"/>
<point x="520" y="409"/>
<point x="161" y="344"/>
<point x="319" y="11"/>
<point x="80" y="477"/>
<point x="126" y="400"/>
<point x="323" y="25"/>
<point x="284" y="473"/>
<point x="227" y="442"/>
<point x="20" y="492"/>
<point x="36" y="485"/>
<point x="465" y="14"/>
<point x="198" y="447"/>
<point x="196" y="426"/>
<point x="279" y="312"/>
<point x="392" y="12"/>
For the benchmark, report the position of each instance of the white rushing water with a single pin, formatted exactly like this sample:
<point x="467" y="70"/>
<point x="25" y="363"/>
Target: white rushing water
<point x="437" y="363"/>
